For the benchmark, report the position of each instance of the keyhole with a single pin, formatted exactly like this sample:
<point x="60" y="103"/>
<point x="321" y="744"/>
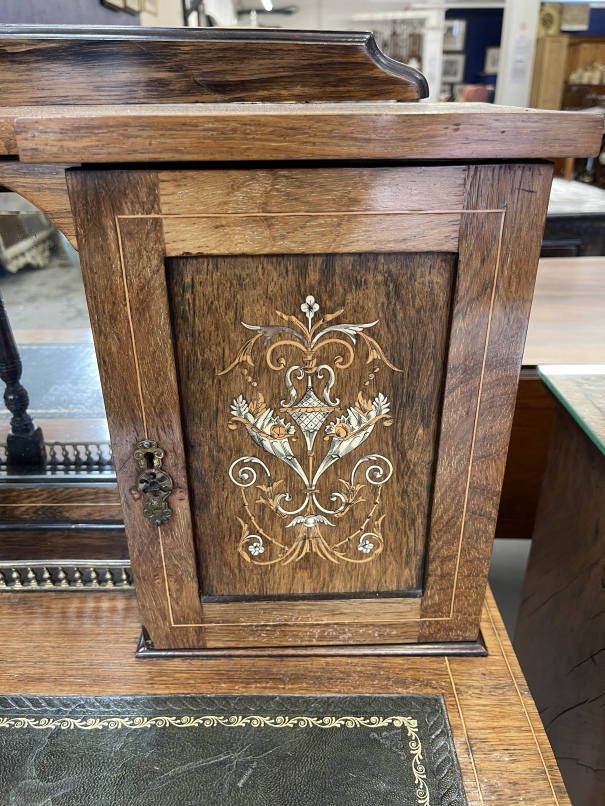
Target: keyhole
<point x="149" y="458"/>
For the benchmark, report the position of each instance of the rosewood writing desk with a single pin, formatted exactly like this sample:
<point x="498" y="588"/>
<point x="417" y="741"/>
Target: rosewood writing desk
<point x="82" y="644"/>
<point x="309" y="320"/>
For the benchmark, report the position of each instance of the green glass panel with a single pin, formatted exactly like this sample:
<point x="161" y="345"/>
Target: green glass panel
<point x="580" y="388"/>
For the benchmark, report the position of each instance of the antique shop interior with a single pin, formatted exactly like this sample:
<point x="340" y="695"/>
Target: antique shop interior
<point x="310" y="181"/>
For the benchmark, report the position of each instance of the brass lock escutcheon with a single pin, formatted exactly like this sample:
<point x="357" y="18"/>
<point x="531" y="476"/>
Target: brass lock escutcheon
<point x="154" y="484"/>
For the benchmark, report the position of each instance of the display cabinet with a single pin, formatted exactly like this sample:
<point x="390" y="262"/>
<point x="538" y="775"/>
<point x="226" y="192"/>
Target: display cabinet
<point x="309" y="321"/>
<point x="309" y="376"/>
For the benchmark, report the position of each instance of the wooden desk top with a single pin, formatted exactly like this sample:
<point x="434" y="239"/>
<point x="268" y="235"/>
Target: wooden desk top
<point x="185" y="94"/>
<point x="567" y="322"/>
<point x="84" y="644"/>
<point x="284" y="131"/>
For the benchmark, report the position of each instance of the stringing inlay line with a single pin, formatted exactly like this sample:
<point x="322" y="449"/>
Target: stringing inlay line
<point x="477" y="411"/>
<point x="131" y="326"/>
<point x="529" y="722"/>
<point x="502" y="211"/>
<point x="464" y="731"/>
<point x="314" y="214"/>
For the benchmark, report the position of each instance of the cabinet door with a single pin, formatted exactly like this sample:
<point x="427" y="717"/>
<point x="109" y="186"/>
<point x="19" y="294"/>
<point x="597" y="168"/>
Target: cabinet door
<point x="309" y="378"/>
<point x="310" y="407"/>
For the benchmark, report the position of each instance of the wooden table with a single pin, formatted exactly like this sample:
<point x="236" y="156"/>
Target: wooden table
<point x="567" y="321"/>
<point x="560" y="637"/>
<point x="84" y="644"/>
<point x="575" y="224"/>
<point x="566" y="326"/>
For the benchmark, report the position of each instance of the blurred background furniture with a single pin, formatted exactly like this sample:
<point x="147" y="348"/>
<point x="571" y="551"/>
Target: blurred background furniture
<point x="575" y="224"/>
<point x="566" y="326"/>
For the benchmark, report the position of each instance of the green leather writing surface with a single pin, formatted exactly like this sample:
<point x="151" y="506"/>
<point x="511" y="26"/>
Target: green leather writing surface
<point x="228" y="751"/>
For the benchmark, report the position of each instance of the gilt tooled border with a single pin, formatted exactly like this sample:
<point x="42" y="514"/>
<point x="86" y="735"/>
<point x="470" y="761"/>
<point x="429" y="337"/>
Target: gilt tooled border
<point x="437" y="749"/>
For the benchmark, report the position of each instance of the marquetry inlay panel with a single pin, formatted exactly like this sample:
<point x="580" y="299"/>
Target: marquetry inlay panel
<point x="307" y="403"/>
<point x="330" y="371"/>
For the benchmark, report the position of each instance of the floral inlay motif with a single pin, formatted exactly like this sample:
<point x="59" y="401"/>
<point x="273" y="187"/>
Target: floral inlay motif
<point x="303" y="412"/>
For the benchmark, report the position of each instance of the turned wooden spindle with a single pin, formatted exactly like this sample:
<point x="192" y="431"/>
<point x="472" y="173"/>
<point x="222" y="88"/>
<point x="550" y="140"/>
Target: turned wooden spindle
<point x="25" y="441"/>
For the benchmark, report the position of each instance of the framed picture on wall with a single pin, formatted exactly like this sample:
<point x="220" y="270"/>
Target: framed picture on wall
<point x="575" y="17"/>
<point x="492" y="58"/>
<point x="115" y="5"/>
<point x="132" y="6"/>
<point x="453" y="68"/>
<point x="454" y="35"/>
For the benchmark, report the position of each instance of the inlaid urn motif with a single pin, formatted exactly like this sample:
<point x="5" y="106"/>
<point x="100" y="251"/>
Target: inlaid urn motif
<point x="308" y="408"/>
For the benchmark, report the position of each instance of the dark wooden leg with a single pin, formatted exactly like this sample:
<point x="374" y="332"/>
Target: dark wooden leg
<point x="527" y="455"/>
<point x="560" y="636"/>
<point x="25" y="442"/>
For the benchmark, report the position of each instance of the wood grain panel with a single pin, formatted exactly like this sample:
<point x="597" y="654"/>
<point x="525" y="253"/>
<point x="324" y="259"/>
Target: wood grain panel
<point x="27" y="542"/>
<point x="85" y="645"/>
<point x="97" y="198"/>
<point x="516" y="728"/>
<point x="209" y="132"/>
<point x="8" y="138"/>
<point x="73" y="503"/>
<point x="339" y="610"/>
<point x="44" y="186"/>
<point x="527" y="455"/>
<point x="478" y="265"/>
<point x="339" y="633"/>
<point x="142" y="256"/>
<point x="498" y="316"/>
<point x="296" y="234"/>
<point x="410" y="296"/>
<point x="44" y="66"/>
<point x="311" y="191"/>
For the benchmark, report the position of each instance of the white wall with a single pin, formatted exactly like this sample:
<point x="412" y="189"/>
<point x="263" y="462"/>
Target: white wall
<point x="61" y="12"/>
<point x="170" y="15"/>
<point x="517" y="51"/>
